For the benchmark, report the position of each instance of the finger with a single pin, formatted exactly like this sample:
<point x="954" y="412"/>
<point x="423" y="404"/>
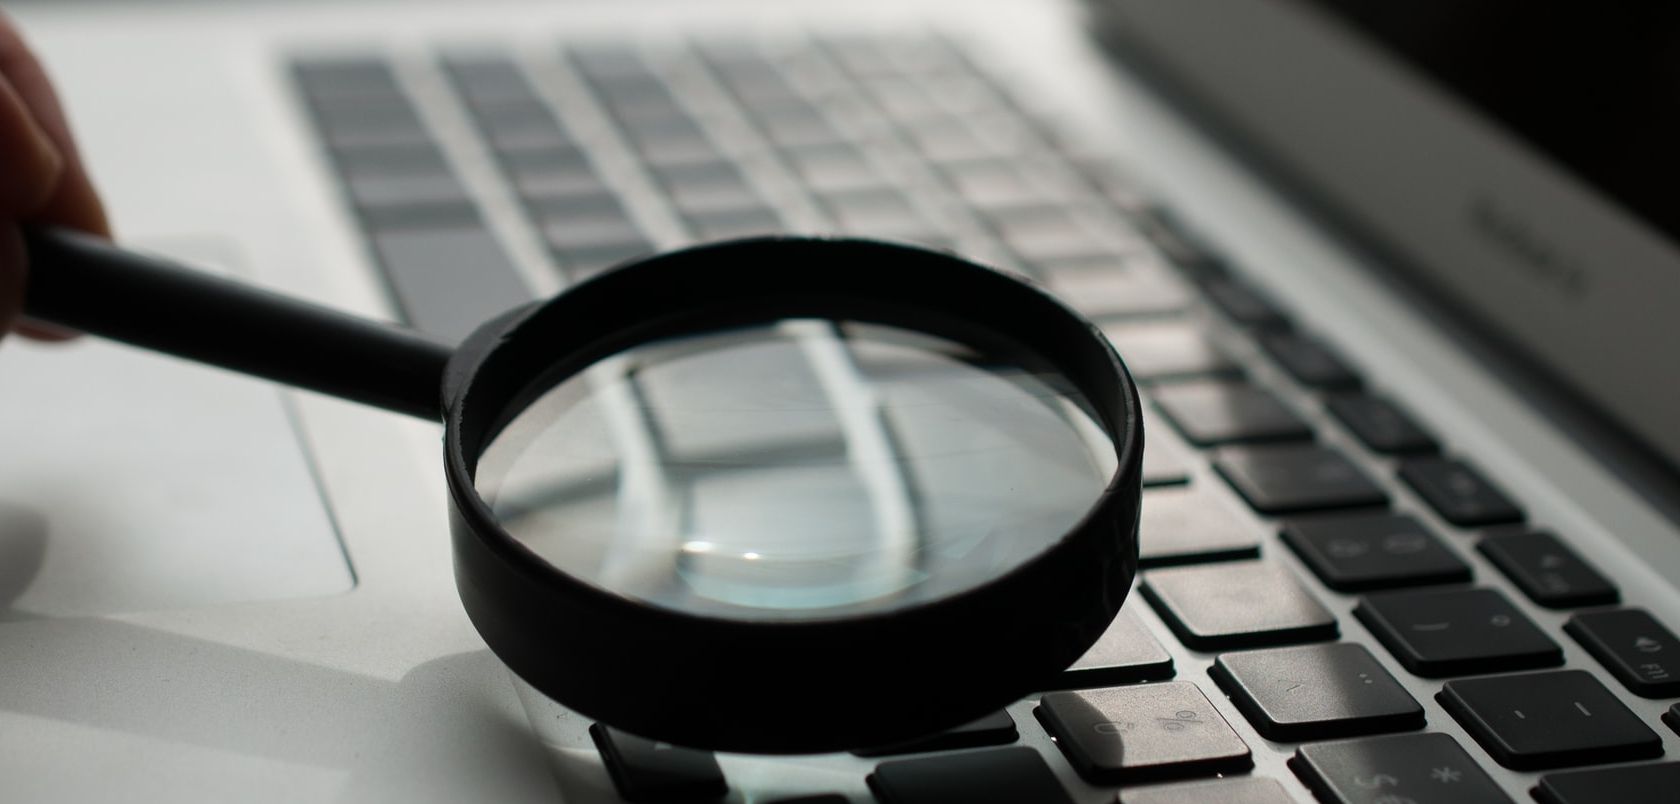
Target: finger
<point x="11" y="276"/>
<point x="73" y="202"/>
<point x="29" y="161"/>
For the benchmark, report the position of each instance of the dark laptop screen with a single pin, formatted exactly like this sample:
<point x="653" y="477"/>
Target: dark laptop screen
<point x="1595" y="86"/>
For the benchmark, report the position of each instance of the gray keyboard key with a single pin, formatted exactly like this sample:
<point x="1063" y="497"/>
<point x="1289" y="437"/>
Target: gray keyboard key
<point x="1116" y="292"/>
<point x="1226" y="791"/>
<point x="1297" y="478"/>
<point x="834" y="169"/>
<point x="1209" y="413"/>
<point x="1245" y="305"/>
<point x="745" y="222"/>
<point x="1188" y="526"/>
<point x="1168" y="350"/>
<point x="1143" y="733"/>
<point x="1242" y="604"/>
<point x="1125" y="653"/>
<point x="996" y="776"/>
<point x="1316" y="692"/>
<point x="421" y="158"/>
<point x="1355" y="552"/>
<point x="1166" y="458"/>
<point x="394" y="197"/>
<point x="1538" y="721"/>
<point x="1419" y="768"/>
<point x="448" y="280"/>
<point x="1450" y="632"/>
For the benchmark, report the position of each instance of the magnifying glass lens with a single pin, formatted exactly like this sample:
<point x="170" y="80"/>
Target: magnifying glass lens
<point x="803" y="469"/>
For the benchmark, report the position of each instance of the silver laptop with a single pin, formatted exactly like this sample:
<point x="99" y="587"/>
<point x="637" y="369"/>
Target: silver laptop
<point x="1411" y="526"/>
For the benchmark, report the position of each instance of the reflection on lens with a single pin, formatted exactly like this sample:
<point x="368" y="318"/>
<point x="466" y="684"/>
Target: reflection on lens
<point x="806" y="469"/>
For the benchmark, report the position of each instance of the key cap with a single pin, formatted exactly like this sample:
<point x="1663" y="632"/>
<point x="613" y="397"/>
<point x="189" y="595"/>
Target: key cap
<point x="1634" y="784"/>
<point x="647" y="771"/>
<point x="1115" y="292"/>
<point x="994" y="729"/>
<point x="427" y="197"/>
<point x="1188" y="526"/>
<point x="1166" y="458"/>
<point x="996" y="776"/>
<point x="1226" y="791"/>
<point x="1537" y="721"/>
<point x="1209" y="413"/>
<point x="1175" y="350"/>
<point x="1418" y="768"/>
<point x="1051" y="232"/>
<point x="1672" y="717"/>
<point x="422" y="158"/>
<point x="1244" y="604"/>
<point x="828" y="798"/>
<point x="1380" y="425"/>
<point x="1125" y="653"/>
<point x="1459" y="493"/>
<point x="1631" y="644"/>
<point x="1449" y="632"/>
<point x="448" y="280"/>
<point x="1167" y="234"/>
<point x="720" y="225"/>
<point x="1296" y="479"/>
<point x="1309" y="361"/>
<point x="1142" y="733"/>
<point x="1244" y="305"/>
<point x="995" y="184"/>
<point x="1546" y="570"/>
<point x="1357" y="552"/>
<point x="1316" y="692"/>
<point x="353" y="77"/>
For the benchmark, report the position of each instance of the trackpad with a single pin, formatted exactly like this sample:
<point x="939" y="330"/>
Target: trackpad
<point x="133" y="482"/>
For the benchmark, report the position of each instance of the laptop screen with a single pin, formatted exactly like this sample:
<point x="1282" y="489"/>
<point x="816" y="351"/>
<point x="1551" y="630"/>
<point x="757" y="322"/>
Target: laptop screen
<point x="1609" y="113"/>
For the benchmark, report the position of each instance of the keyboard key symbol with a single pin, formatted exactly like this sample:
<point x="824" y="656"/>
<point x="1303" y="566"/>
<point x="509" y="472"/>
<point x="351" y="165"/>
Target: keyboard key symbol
<point x="1646" y="644"/>
<point x="1178" y="721"/>
<point x="1376" y="782"/>
<point x="1446" y="775"/>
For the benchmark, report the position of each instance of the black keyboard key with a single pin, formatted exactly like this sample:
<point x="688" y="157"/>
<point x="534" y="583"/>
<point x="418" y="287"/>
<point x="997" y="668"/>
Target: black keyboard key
<point x="1450" y="632"/>
<point x="1316" y="692"/>
<point x="995" y="729"/>
<point x="1537" y="721"/>
<point x="1672" y="717"/>
<point x="1142" y="733"/>
<point x="1380" y="425"/>
<point x="996" y="776"/>
<point x="1640" y="651"/>
<point x="1171" y="350"/>
<point x="1225" y="791"/>
<point x="1179" y="246"/>
<point x="1309" y="361"/>
<point x="1297" y="479"/>
<point x="648" y="771"/>
<point x="1633" y="784"/>
<point x="1243" y="604"/>
<point x="1459" y="493"/>
<point x="1547" y="570"/>
<point x="1209" y="413"/>
<point x="1244" y="305"/>
<point x="1402" y="768"/>
<point x="1125" y="653"/>
<point x="448" y="280"/>
<point x="1360" y="552"/>
<point x="826" y="798"/>
<point x="1188" y="526"/>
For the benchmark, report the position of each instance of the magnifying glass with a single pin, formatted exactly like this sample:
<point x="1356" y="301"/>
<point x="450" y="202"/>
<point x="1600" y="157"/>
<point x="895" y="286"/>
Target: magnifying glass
<point x="778" y="495"/>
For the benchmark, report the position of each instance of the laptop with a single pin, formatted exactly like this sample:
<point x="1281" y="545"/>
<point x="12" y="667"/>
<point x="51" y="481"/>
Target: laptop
<point x="1411" y="527"/>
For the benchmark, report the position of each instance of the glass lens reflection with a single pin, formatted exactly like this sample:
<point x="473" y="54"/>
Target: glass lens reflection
<point x="806" y="469"/>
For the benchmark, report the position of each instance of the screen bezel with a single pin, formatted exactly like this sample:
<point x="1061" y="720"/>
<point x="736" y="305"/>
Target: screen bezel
<point x="1553" y="271"/>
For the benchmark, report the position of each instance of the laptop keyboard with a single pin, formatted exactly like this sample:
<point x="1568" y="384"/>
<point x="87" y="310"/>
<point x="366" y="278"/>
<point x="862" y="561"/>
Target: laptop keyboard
<point x="480" y="179"/>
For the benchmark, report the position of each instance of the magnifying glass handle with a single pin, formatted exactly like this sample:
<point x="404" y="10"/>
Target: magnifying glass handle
<point x="87" y="284"/>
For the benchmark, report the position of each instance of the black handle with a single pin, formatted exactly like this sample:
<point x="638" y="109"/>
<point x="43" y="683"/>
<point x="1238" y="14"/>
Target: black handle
<point x="87" y="284"/>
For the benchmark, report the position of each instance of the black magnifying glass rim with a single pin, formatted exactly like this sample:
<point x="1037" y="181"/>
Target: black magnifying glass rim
<point x="786" y="686"/>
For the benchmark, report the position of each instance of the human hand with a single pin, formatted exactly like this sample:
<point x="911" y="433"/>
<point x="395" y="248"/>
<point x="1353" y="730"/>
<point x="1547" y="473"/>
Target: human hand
<point x="42" y="179"/>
